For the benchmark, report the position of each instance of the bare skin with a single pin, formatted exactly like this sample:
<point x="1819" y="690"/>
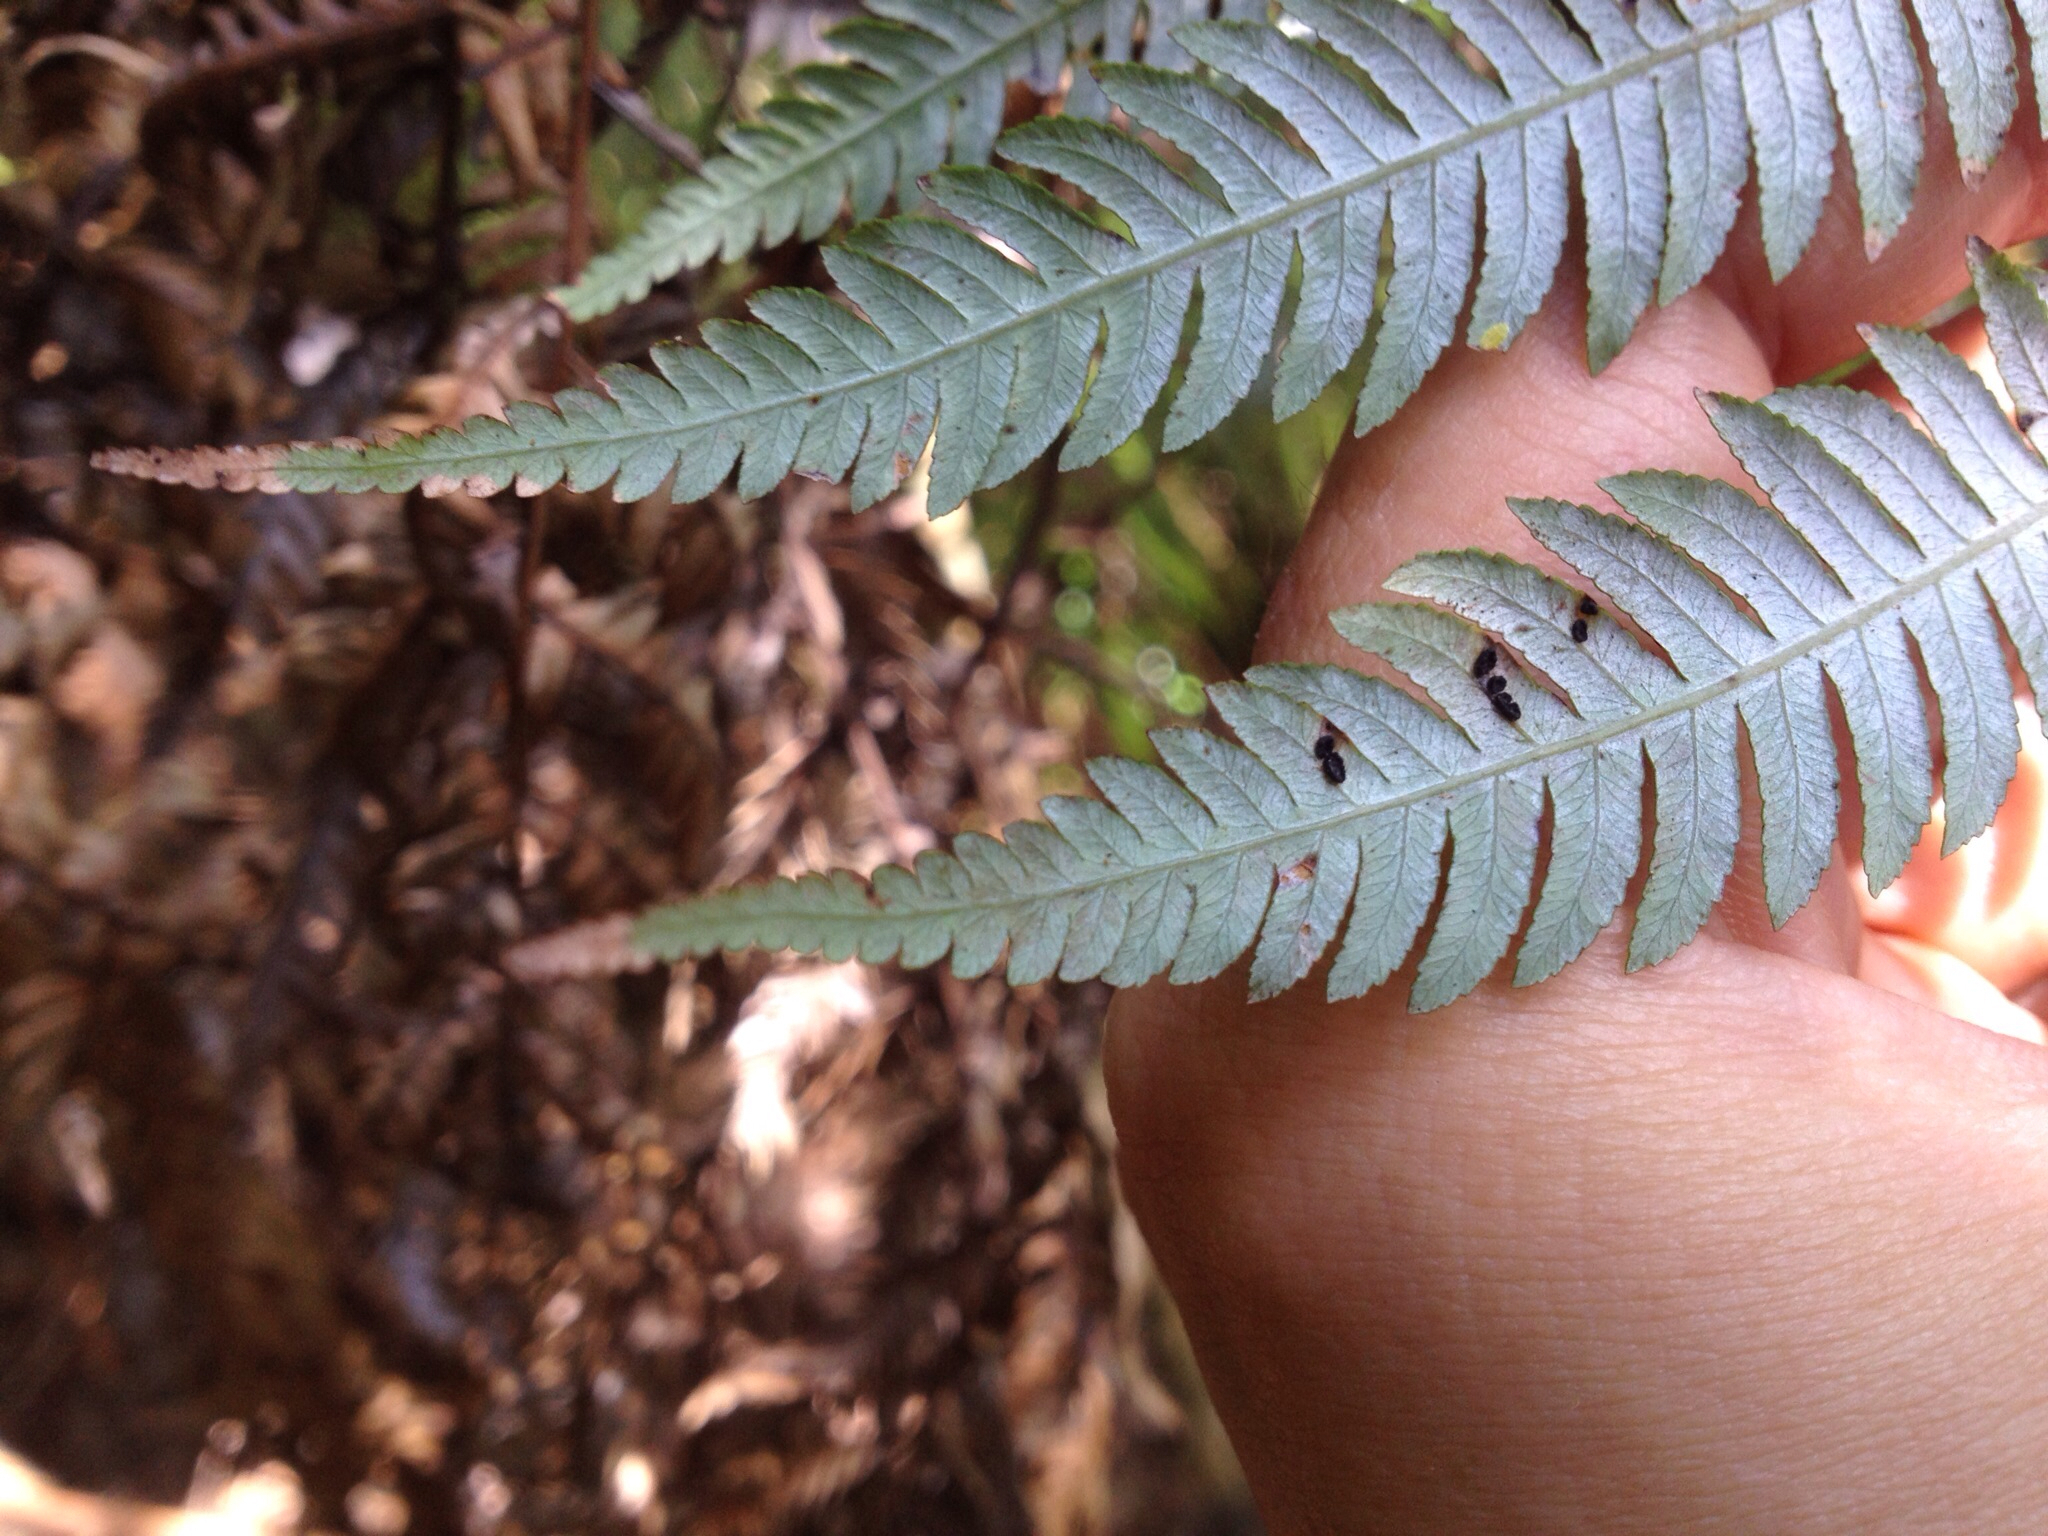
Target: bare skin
<point x="1755" y="1241"/>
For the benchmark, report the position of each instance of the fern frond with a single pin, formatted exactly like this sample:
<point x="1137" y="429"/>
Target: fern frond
<point x="984" y="347"/>
<point x="923" y="86"/>
<point x="1883" y="543"/>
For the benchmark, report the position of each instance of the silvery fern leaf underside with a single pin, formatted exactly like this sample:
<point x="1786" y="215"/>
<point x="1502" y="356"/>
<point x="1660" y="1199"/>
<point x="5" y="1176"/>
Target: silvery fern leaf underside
<point x="1880" y="546"/>
<point x="985" y="346"/>
<point x="924" y="86"/>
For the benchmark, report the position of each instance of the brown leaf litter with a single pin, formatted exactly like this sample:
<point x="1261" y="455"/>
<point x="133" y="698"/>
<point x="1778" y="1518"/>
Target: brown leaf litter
<point x="354" y="1173"/>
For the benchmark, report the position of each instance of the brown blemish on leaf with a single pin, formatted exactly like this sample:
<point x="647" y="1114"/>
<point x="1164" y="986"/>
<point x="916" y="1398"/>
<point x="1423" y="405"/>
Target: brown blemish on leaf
<point x="1302" y="870"/>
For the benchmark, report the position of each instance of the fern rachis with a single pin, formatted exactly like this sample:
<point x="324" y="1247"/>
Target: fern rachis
<point x="943" y="338"/>
<point x="1885" y="544"/>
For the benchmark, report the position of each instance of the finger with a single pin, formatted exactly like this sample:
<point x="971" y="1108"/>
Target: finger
<point x="1909" y="969"/>
<point x="1408" y="488"/>
<point x="1487" y="426"/>
<point x="1617" y="1253"/>
<point x="2035" y="999"/>
<point x="1532" y="422"/>
<point x="1986" y="905"/>
<point x="1791" y="330"/>
<point x="1392" y="1216"/>
<point x="1808" y="322"/>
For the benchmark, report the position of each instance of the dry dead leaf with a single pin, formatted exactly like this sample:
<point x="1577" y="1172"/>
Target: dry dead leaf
<point x="109" y="688"/>
<point x="34" y="824"/>
<point x="264" y="1502"/>
<point x="57" y="593"/>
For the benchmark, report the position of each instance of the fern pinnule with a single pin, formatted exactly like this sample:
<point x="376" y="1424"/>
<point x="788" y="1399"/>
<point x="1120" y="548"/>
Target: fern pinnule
<point x="983" y="337"/>
<point x="1886" y="560"/>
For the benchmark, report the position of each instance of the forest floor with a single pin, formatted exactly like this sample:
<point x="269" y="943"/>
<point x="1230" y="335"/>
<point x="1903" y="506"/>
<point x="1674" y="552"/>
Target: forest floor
<point x="353" y="1175"/>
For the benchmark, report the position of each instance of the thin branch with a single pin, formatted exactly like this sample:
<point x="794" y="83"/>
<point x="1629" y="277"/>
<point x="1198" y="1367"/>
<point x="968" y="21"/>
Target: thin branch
<point x="1045" y="502"/>
<point x="631" y="108"/>
<point x="576" y="247"/>
<point x="448" y="281"/>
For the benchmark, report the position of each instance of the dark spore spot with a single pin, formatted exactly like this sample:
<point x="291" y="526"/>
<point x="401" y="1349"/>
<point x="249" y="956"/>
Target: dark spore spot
<point x="1324" y="746"/>
<point x="1496" y="684"/>
<point x="1588" y="608"/>
<point x="1506" y="707"/>
<point x="1579" y="630"/>
<point x="1485" y="662"/>
<point x="1333" y="767"/>
<point x="2026" y="419"/>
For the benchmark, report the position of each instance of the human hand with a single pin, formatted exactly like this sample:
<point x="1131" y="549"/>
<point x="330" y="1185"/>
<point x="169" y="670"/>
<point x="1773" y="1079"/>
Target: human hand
<point x="1753" y="1241"/>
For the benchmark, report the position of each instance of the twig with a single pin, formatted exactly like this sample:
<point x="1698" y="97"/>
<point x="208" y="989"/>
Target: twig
<point x="1045" y="501"/>
<point x="515" y="42"/>
<point x="611" y="656"/>
<point x="106" y="49"/>
<point x="448" y="185"/>
<point x="518" y="709"/>
<point x="608" y="81"/>
<point x="320" y="903"/>
<point x="576" y="247"/>
<point x="277" y="43"/>
<point x="906" y="839"/>
<point x="575" y="251"/>
<point x="632" y="109"/>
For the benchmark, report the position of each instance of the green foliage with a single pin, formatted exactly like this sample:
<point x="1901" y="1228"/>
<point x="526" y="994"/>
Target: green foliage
<point x="685" y="91"/>
<point x="986" y="347"/>
<point x="1883" y="544"/>
<point x="924" y="86"/>
<point x="1175" y="553"/>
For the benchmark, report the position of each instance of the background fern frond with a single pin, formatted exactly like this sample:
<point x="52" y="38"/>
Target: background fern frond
<point x="983" y="346"/>
<point x="923" y="86"/>
<point x="1879" y="544"/>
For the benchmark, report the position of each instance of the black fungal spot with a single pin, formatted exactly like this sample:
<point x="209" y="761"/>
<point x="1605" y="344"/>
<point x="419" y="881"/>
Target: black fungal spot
<point x="1333" y="767"/>
<point x="1325" y="746"/>
<point x="1506" y="707"/>
<point x="1579" y="630"/>
<point x="1588" y="608"/>
<point x="1485" y="662"/>
<point x="1496" y="685"/>
<point x="2026" y="419"/>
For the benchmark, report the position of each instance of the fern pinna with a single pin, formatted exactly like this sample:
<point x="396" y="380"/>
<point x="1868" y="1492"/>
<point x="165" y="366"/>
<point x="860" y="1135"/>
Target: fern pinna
<point x="984" y="347"/>
<point x="923" y="86"/>
<point x="1882" y="542"/>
